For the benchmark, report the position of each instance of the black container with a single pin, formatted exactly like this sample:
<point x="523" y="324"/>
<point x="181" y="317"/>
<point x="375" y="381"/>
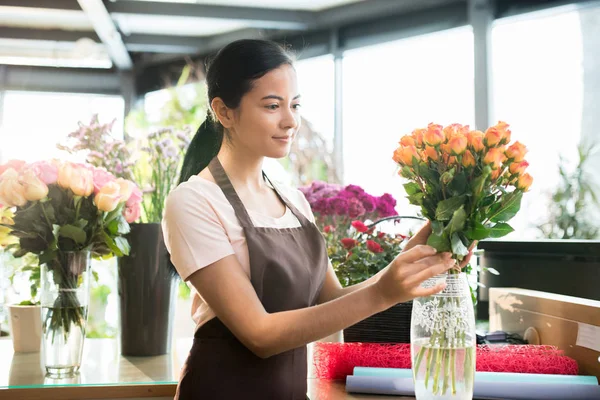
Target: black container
<point x="389" y="326"/>
<point x="567" y="267"/>
<point x="146" y="294"/>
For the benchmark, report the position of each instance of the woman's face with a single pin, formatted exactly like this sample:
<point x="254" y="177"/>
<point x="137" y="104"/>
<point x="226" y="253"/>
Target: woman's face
<point x="268" y="118"/>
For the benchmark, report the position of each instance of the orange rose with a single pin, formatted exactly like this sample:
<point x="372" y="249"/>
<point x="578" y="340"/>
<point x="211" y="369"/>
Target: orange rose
<point x="495" y="174"/>
<point x="407" y="141"/>
<point x="516" y="152"/>
<point x="468" y="160"/>
<point x="518" y="168"/>
<point x="405" y="154"/>
<point x="475" y="139"/>
<point x="494" y="157"/>
<point x="457" y="144"/>
<point x="492" y="137"/>
<point x="430" y="153"/>
<point x="524" y="182"/>
<point x="455" y="130"/>
<point x="418" y="135"/>
<point x="452" y="160"/>
<point x="434" y="135"/>
<point x="506" y="133"/>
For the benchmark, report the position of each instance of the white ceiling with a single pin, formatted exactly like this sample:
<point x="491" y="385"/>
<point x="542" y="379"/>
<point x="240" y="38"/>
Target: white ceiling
<point x="176" y="26"/>
<point x="43" y="18"/>
<point x="309" y="5"/>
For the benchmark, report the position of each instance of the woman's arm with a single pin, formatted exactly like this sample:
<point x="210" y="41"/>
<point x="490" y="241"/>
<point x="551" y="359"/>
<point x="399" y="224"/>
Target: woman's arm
<point x="228" y="291"/>
<point x="332" y="289"/>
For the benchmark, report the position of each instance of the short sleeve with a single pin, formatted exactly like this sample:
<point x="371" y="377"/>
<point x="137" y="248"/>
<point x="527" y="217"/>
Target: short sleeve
<point x="193" y="232"/>
<point x="304" y="206"/>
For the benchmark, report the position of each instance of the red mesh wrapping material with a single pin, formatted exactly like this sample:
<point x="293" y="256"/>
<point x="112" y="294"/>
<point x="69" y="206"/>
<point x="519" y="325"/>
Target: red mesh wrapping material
<point x="337" y="360"/>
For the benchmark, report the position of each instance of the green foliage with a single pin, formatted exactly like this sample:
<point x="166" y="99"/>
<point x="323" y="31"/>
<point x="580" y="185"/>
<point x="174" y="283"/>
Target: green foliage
<point x="574" y="202"/>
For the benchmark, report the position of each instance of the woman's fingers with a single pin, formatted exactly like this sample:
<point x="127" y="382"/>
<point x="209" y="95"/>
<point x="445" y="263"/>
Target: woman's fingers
<point x="415" y="254"/>
<point x="432" y="271"/>
<point x="423" y="292"/>
<point x="420" y="238"/>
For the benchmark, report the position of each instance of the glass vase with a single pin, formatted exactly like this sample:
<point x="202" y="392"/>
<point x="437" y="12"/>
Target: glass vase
<point x="443" y="341"/>
<point x="64" y="298"/>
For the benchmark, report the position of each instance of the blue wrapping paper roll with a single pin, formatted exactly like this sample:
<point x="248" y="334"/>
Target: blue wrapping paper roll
<point x="482" y="389"/>
<point x="505" y="377"/>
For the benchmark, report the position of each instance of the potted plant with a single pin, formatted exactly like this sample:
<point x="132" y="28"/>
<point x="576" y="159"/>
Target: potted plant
<point x="358" y="248"/>
<point x="64" y="213"/>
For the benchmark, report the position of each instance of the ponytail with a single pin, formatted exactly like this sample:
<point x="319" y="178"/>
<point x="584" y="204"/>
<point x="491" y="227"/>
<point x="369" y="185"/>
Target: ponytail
<point x="205" y="146"/>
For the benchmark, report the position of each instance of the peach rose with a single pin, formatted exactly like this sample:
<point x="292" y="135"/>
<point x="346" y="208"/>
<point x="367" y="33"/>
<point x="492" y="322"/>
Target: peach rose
<point x="78" y="179"/>
<point x="468" y="160"/>
<point x="518" y="168"/>
<point x="418" y="135"/>
<point x="516" y="152"/>
<point x="109" y="197"/>
<point x="494" y="157"/>
<point x="430" y="153"/>
<point x="475" y="139"/>
<point x="524" y="182"/>
<point x="12" y="193"/>
<point x="34" y="188"/>
<point x="434" y="136"/>
<point x="404" y="155"/>
<point x="492" y="137"/>
<point x="407" y="141"/>
<point x="457" y="144"/>
<point x="506" y="133"/>
<point x="126" y="188"/>
<point x="17" y="165"/>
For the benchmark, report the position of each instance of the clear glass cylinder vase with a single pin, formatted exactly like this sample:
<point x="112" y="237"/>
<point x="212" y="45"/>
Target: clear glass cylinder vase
<point x="64" y="298"/>
<point x="443" y="341"/>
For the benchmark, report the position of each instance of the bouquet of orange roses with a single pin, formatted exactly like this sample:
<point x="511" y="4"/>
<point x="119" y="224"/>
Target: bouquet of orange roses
<point x="469" y="184"/>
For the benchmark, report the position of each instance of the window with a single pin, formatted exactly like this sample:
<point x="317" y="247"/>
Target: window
<point x="541" y="94"/>
<point x="33" y="123"/>
<point x="393" y="88"/>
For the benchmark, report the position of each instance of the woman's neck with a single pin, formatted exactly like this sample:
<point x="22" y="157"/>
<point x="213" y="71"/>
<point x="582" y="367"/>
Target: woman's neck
<point x="243" y="169"/>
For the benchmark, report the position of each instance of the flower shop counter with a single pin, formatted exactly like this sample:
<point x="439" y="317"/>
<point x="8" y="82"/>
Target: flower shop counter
<point x="105" y="374"/>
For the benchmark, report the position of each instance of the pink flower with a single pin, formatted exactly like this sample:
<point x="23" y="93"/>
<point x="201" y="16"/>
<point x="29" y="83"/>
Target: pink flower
<point x="46" y="171"/>
<point x="328" y="229"/>
<point x="355" y="208"/>
<point x="101" y="178"/>
<point x="17" y="165"/>
<point x="132" y="213"/>
<point x="135" y="198"/>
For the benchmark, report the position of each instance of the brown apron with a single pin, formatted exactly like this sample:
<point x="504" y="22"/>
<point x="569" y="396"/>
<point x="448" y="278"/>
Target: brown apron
<point x="287" y="271"/>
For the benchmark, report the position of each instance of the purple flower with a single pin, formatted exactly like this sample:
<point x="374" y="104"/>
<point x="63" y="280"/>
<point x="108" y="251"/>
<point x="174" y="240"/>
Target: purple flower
<point x="369" y="202"/>
<point x="320" y="206"/>
<point x="355" y="208"/>
<point x="386" y="205"/>
<point x="356" y="190"/>
<point x="338" y="205"/>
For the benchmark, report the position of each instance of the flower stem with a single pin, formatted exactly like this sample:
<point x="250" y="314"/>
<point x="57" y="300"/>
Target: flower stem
<point x="452" y="362"/>
<point x="428" y="369"/>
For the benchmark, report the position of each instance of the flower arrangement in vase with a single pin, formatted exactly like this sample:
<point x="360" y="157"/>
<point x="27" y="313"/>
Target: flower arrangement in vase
<point x="469" y="184"/>
<point x="65" y="213"/>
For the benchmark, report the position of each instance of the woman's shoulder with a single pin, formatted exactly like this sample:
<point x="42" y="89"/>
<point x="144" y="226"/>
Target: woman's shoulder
<point x="196" y="193"/>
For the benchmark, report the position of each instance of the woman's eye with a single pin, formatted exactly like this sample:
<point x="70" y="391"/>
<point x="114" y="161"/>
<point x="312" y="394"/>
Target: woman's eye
<point x="272" y="107"/>
<point x="297" y="106"/>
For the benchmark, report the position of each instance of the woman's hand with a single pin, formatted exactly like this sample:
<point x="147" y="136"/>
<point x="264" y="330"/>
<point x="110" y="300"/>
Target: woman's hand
<point x="401" y="280"/>
<point x="420" y="238"/>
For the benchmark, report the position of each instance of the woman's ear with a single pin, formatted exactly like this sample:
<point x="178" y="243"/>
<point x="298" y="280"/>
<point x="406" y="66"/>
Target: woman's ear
<point x="223" y="113"/>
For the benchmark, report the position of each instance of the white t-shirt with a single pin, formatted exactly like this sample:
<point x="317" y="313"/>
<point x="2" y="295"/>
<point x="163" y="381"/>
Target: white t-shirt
<point x="200" y="227"/>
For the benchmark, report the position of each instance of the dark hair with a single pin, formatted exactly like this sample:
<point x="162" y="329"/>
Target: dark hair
<point x="229" y="75"/>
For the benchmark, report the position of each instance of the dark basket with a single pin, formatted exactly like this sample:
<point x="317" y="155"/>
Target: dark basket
<point x="389" y="326"/>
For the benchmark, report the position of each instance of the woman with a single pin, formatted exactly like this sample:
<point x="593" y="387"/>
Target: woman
<point x="263" y="285"/>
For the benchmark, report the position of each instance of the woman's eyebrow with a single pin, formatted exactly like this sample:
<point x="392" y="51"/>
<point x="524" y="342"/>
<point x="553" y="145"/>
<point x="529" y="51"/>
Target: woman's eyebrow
<point x="275" y="97"/>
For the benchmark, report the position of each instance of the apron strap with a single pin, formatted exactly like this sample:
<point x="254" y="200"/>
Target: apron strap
<point x="217" y="171"/>
<point x="297" y="213"/>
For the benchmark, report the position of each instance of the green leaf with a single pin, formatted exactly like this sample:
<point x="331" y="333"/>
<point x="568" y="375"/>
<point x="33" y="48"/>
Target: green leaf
<point x="123" y="245"/>
<point x="508" y="208"/>
<point x="416" y="199"/>
<point x="406" y="172"/>
<point x="110" y="243"/>
<point x="412" y="188"/>
<point x="439" y="242"/>
<point x="46" y="257"/>
<point x="437" y="227"/>
<point x="82" y="223"/>
<point x="72" y="232"/>
<point x="446" y="208"/>
<point x="447" y="176"/>
<point x="457" y="223"/>
<point x="458" y="246"/>
<point x="114" y="213"/>
<point x="500" y="230"/>
<point x="458" y="186"/>
<point x="477" y="232"/>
